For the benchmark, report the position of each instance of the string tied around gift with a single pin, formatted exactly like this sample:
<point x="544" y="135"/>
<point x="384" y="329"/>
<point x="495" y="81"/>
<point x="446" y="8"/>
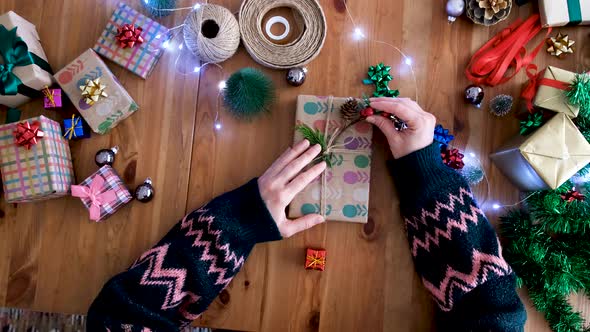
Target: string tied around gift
<point x="535" y="81"/>
<point x="15" y="53"/>
<point x="49" y="94"/>
<point x="71" y="131"/>
<point x="332" y="148"/>
<point x="315" y="261"/>
<point x="94" y="194"/>
<point x="491" y="63"/>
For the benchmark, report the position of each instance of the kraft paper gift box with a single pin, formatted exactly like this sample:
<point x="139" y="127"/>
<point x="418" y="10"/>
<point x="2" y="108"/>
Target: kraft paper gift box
<point x="20" y="47"/>
<point x="551" y="93"/>
<point x="346" y="189"/>
<point x="103" y="193"/>
<point x="107" y="112"/>
<point x="42" y="172"/>
<point x="556" y="13"/>
<point x="545" y="159"/>
<point x="142" y="58"/>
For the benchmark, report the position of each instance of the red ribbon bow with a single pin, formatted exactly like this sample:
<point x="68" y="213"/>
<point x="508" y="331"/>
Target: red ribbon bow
<point x="535" y="81"/>
<point x="27" y="134"/>
<point x="129" y="35"/>
<point x="97" y="199"/>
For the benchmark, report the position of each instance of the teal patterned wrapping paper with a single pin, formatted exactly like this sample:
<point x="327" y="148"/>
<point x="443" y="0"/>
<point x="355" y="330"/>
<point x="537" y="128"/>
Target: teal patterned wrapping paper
<point x="347" y="184"/>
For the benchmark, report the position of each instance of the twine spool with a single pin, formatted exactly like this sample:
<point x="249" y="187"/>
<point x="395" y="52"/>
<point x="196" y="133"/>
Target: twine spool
<point x="295" y="54"/>
<point x="212" y="33"/>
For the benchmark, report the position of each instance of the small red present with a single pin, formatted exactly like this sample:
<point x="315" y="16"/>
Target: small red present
<point x="315" y="259"/>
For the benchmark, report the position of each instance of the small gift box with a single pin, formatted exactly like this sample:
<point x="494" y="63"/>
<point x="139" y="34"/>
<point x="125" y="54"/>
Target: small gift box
<point x="103" y="193"/>
<point x="132" y="40"/>
<point x="556" y="13"/>
<point x="551" y="92"/>
<point x="24" y="70"/>
<point x="545" y="159"/>
<point x="35" y="160"/>
<point x="315" y="259"/>
<point x="97" y="94"/>
<point x="75" y="128"/>
<point x="342" y="192"/>
<point x="51" y="98"/>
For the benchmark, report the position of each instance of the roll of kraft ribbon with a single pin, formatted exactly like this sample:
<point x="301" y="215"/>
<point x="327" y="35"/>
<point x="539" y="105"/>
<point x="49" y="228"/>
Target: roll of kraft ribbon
<point x="295" y="54"/>
<point x="211" y="32"/>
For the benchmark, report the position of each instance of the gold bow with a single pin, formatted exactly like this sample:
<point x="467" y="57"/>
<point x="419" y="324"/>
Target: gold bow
<point x="93" y="90"/>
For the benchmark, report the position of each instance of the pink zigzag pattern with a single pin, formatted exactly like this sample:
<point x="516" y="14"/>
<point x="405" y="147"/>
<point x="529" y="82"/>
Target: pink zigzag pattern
<point x="229" y="255"/>
<point x="450" y="225"/>
<point x="482" y="265"/>
<point x="173" y="279"/>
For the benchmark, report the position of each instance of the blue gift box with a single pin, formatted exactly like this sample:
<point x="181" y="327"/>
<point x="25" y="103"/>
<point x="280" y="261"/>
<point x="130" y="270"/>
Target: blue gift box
<point x="75" y="128"/>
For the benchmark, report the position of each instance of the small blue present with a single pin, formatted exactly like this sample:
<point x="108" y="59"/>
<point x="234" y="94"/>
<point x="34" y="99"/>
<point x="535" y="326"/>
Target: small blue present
<point x="75" y="128"/>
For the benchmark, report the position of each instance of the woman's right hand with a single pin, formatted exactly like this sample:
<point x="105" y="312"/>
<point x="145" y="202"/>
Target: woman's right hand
<point x="420" y="131"/>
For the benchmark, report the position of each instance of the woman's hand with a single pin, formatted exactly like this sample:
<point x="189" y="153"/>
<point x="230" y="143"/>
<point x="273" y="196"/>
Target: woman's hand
<point x="285" y="179"/>
<point x="420" y="132"/>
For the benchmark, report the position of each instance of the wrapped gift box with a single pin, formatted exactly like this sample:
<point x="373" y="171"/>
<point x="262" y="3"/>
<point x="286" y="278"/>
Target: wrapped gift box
<point x="545" y="159"/>
<point x="75" y="128"/>
<point x="42" y="172"/>
<point x="142" y="58"/>
<point x="31" y="72"/>
<point x="551" y="92"/>
<point x="346" y="189"/>
<point x="557" y="13"/>
<point x="107" y="112"/>
<point x="315" y="259"/>
<point x="103" y="193"/>
<point x="51" y="98"/>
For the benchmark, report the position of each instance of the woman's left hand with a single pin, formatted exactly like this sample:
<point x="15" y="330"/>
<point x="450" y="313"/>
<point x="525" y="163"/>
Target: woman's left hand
<point x="285" y="179"/>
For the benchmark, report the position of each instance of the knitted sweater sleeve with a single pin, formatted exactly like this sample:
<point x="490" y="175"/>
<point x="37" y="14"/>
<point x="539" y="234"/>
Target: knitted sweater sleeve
<point x="455" y="249"/>
<point x="175" y="281"/>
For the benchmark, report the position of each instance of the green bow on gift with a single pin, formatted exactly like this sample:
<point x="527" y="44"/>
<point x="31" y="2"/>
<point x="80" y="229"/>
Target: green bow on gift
<point x="15" y="53"/>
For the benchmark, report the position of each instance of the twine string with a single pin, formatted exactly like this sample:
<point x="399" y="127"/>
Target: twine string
<point x="294" y="54"/>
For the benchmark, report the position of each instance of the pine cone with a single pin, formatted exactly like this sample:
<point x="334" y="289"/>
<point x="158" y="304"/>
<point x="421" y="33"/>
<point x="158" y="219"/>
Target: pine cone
<point x="488" y="12"/>
<point x="350" y="109"/>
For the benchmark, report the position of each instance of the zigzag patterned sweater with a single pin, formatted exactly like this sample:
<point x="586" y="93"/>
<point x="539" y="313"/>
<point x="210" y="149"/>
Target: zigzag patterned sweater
<point x="455" y="249"/>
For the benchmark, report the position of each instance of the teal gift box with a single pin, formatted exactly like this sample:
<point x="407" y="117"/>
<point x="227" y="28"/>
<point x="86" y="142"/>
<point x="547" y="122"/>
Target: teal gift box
<point x="24" y="70"/>
<point x="557" y="13"/>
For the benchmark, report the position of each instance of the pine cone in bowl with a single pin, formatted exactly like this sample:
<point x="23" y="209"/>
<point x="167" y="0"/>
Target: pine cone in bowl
<point x="488" y="12"/>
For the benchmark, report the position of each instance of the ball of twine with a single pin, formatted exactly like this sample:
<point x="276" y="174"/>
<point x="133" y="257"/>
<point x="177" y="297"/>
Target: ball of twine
<point x="294" y="54"/>
<point x="212" y="33"/>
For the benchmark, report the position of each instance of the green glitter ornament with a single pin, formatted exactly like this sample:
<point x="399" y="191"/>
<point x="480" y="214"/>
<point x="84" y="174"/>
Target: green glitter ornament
<point x="159" y="8"/>
<point x="248" y="93"/>
<point x="579" y="93"/>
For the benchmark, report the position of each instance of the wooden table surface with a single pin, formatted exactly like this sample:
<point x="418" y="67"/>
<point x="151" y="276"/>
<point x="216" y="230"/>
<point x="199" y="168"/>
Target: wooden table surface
<point x="53" y="259"/>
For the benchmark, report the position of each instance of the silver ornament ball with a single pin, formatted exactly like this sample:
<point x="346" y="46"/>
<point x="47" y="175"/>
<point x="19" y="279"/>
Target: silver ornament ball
<point x="296" y="76"/>
<point x="455" y="8"/>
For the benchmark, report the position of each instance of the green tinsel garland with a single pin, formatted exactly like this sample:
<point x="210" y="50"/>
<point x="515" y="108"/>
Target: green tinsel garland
<point x="548" y="244"/>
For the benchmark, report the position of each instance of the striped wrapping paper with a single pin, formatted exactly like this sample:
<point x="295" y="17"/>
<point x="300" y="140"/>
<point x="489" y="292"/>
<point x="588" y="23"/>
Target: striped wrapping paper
<point x="43" y="172"/>
<point x="112" y="182"/>
<point x="141" y="59"/>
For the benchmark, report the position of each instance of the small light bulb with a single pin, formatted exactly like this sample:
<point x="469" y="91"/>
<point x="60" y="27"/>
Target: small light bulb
<point x="158" y="36"/>
<point x="180" y="46"/>
<point x="358" y="33"/>
<point x="222" y="85"/>
<point x="165" y="44"/>
<point x="197" y="69"/>
<point x="145" y="1"/>
<point x="408" y="61"/>
<point x="472" y="154"/>
<point x="217" y="126"/>
<point x="197" y="6"/>
<point x="496" y="206"/>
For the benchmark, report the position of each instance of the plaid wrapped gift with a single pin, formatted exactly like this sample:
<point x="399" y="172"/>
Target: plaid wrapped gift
<point x="112" y="182"/>
<point x="106" y="113"/>
<point x="43" y="172"/>
<point x="142" y="58"/>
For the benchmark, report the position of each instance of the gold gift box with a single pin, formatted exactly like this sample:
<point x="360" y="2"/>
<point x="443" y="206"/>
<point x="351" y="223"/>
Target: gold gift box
<point x="554" y="99"/>
<point x="545" y="159"/>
